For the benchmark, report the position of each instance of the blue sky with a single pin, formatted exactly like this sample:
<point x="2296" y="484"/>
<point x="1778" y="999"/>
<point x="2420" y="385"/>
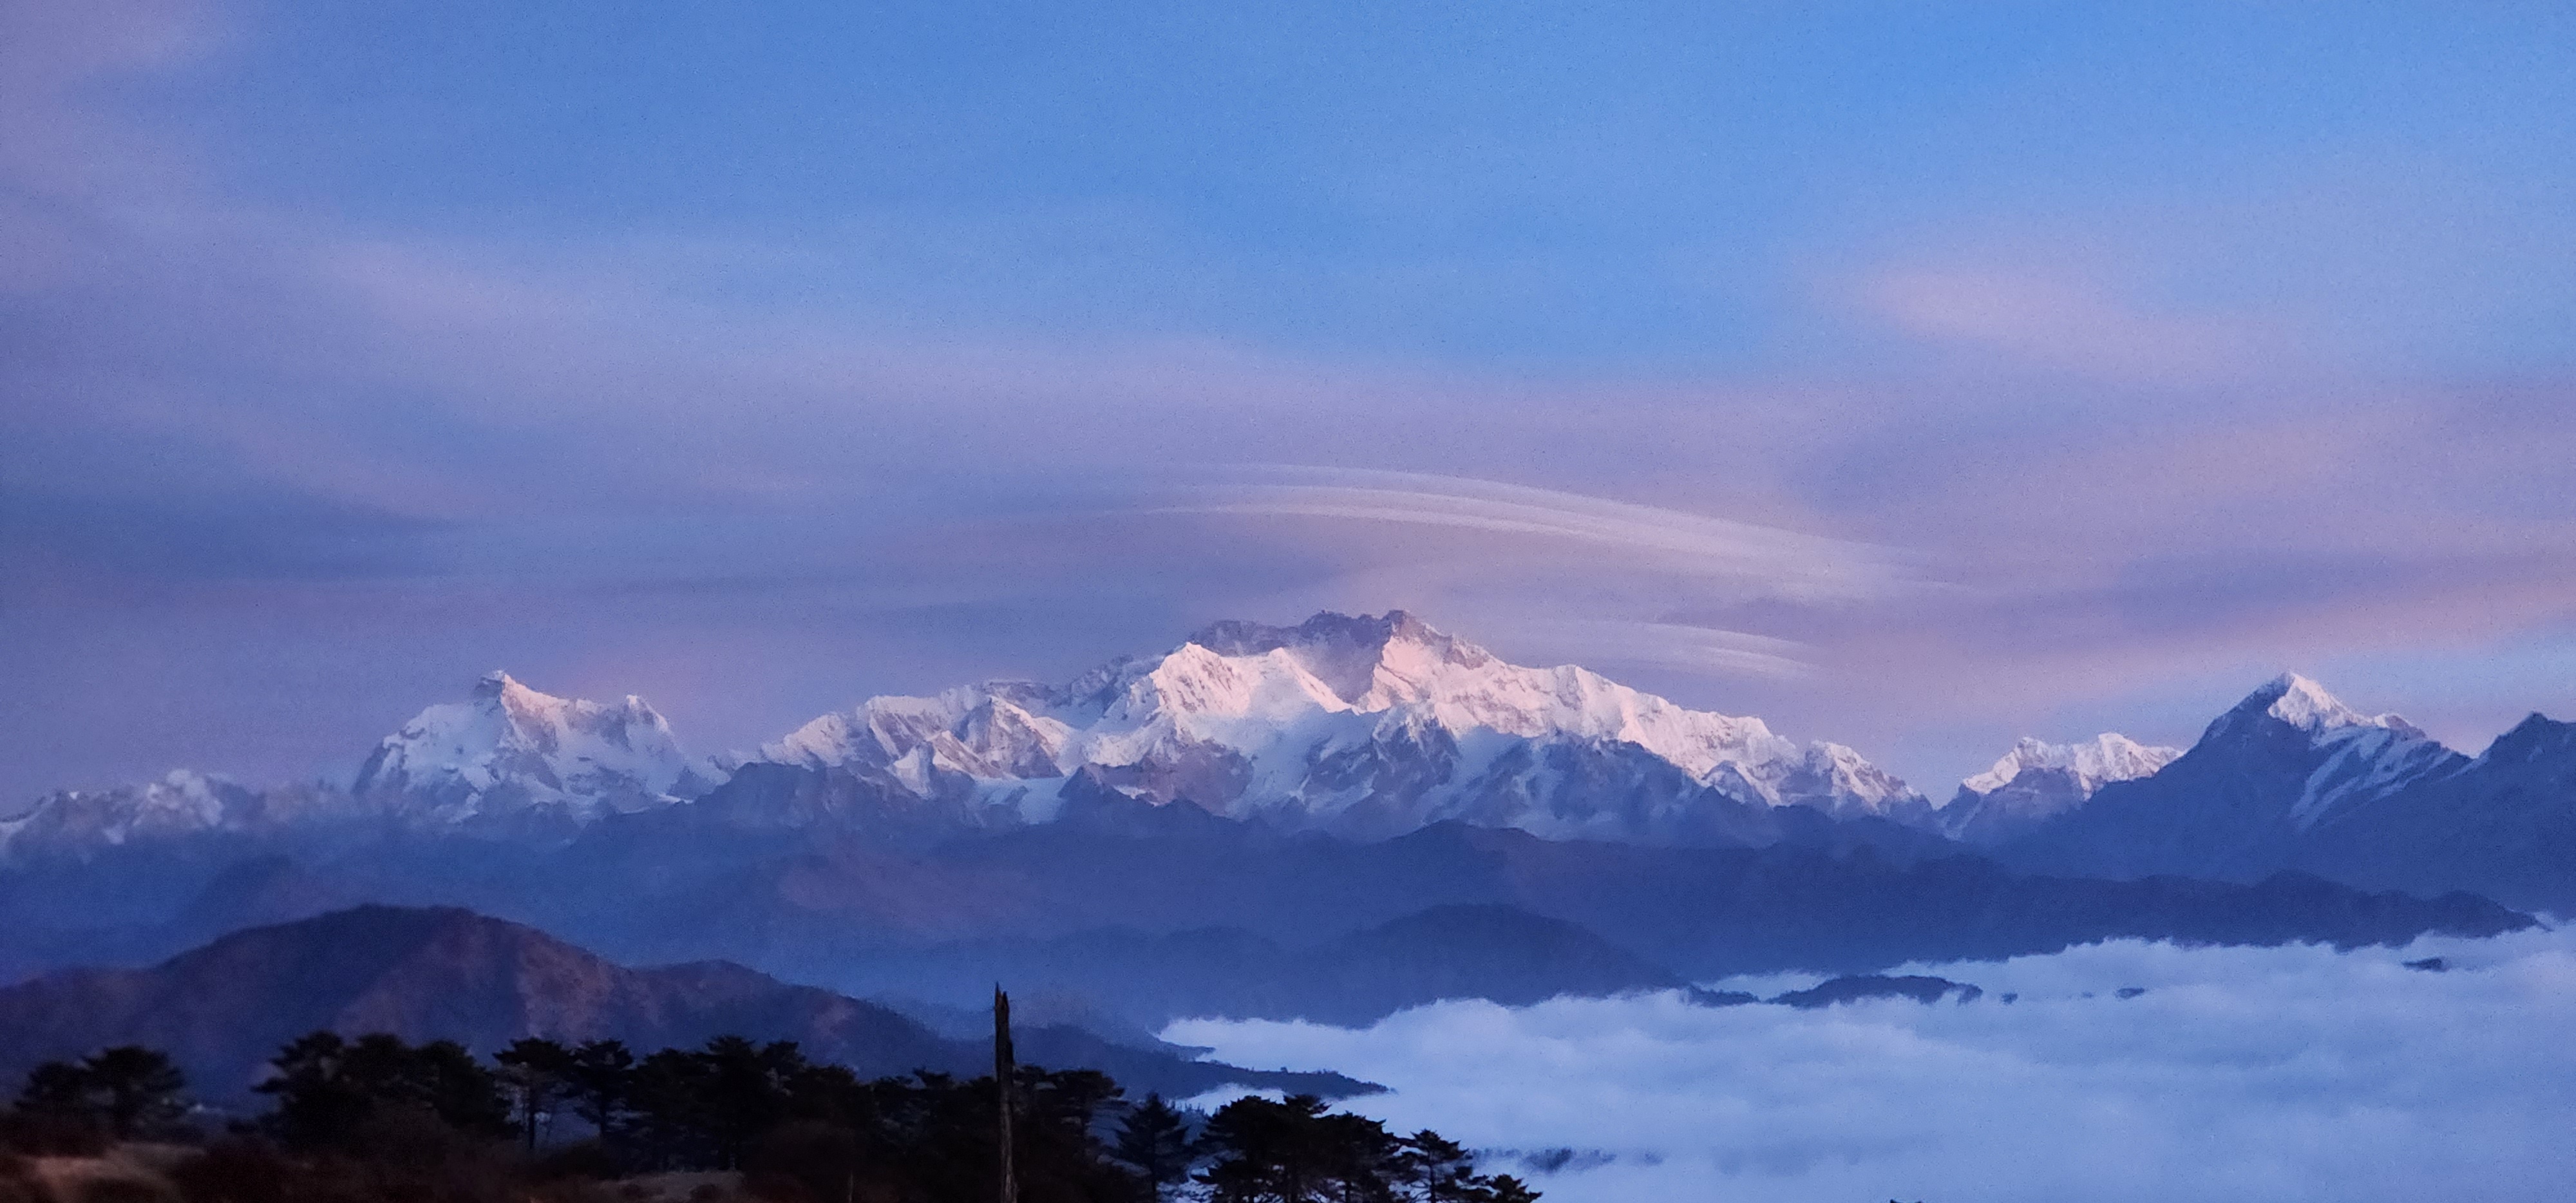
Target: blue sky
<point x="2006" y="368"/>
<point x="1546" y="188"/>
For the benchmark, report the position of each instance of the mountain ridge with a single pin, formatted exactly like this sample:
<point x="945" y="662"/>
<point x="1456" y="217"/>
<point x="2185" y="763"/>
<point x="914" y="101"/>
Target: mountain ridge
<point x="449" y="973"/>
<point x="1365" y="724"/>
<point x="2244" y="800"/>
<point x="1368" y="727"/>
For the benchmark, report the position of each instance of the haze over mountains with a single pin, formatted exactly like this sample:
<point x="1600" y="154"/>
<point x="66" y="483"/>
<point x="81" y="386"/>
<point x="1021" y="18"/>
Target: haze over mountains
<point x="1332" y="820"/>
<point x="220" y="1011"/>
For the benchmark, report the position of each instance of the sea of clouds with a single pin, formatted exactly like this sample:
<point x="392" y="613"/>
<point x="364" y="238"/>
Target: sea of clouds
<point x="2241" y="1074"/>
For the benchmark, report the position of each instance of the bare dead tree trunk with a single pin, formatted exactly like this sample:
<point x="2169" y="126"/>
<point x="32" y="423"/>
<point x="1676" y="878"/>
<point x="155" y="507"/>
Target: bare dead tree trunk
<point x="1005" y="1074"/>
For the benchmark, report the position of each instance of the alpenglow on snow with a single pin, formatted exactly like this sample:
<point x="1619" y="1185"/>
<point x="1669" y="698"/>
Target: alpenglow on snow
<point x="1365" y="725"/>
<point x="2037" y="781"/>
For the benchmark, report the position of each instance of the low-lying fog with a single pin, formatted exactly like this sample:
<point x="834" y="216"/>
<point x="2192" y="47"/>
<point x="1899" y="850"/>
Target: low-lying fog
<point x="2240" y="1074"/>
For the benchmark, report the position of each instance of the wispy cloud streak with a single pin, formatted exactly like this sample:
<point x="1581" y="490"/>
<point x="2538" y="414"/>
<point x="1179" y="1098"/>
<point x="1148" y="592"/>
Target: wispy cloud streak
<point x="1795" y="565"/>
<point x="1683" y="646"/>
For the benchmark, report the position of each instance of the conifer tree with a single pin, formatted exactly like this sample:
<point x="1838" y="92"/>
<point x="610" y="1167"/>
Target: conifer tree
<point x="57" y="1090"/>
<point x="538" y="1074"/>
<point x="1155" y="1140"/>
<point x="136" y="1088"/>
<point x="599" y="1080"/>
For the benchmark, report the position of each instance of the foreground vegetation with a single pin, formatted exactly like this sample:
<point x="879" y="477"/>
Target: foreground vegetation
<point x="378" y="1119"/>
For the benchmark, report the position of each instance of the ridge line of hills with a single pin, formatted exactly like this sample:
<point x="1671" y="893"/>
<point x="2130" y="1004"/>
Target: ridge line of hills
<point x="222" y="1009"/>
<point x="1136" y="914"/>
<point x="446" y="972"/>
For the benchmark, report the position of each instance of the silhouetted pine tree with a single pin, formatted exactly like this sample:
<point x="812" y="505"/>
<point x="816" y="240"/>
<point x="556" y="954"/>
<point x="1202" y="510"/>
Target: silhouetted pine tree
<point x="601" y="1076"/>
<point x="1443" y="1171"/>
<point x="379" y="1118"/>
<point x="1155" y="1140"/>
<point x="667" y="1100"/>
<point x="124" y="1092"/>
<point x="538" y="1074"/>
<point x="1293" y="1151"/>
<point x="137" y="1088"/>
<point x="57" y="1090"/>
<point x="747" y="1091"/>
<point x="328" y="1088"/>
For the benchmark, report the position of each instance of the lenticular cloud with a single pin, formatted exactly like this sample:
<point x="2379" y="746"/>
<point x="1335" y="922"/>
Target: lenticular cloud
<point x="2238" y="1074"/>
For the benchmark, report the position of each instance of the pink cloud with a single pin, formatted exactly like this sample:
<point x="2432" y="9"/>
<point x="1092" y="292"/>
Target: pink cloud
<point x="2060" y="325"/>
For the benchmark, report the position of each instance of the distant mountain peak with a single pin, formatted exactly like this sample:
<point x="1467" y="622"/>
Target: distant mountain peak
<point x="2093" y="763"/>
<point x="2535" y="737"/>
<point x="1239" y="637"/>
<point x="2037" y="780"/>
<point x="510" y="748"/>
<point x="2356" y="756"/>
<point x="1343" y="651"/>
<point x="2303" y="704"/>
<point x="2287" y="761"/>
<point x="180" y="802"/>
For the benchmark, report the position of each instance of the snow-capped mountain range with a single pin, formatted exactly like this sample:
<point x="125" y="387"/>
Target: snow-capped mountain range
<point x="1367" y="726"/>
<point x="507" y="757"/>
<point x="179" y="803"/>
<point x="1364" y="725"/>
<point x="1373" y="726"/>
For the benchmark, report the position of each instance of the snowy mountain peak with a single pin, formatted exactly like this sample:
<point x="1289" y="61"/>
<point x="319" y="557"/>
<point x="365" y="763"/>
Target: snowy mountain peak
<point x="1343" y="651"/>
<point x="2305" y="705"/>
<point x="1365" y="632"/>
<point x="2096" y="762"/>
<point x="511" y="749"/>
<point x="2352" y="756"/>
<point x="1396" y="665"/>
<point x="2538" y="737"/>
<point x="2036" y="781"/>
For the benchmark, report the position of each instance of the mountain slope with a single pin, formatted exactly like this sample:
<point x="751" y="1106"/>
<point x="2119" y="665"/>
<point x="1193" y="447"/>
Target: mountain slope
<point x="1202" y="917"/>
<point x="444" y="973"/>
<point x="2503" y="824"/>
<point x="2281" y="763"/>
<point x="1153" y="912"/>
<point x="1149" y="977"/>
